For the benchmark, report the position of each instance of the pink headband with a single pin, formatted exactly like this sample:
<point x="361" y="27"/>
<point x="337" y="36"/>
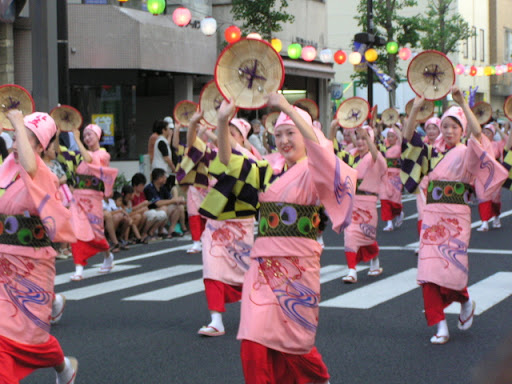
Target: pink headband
<point x="42" y="125"/>
<point x="458" y="114"/>
<point x="491" y="128"/>
<point x="242" y="125"/>
<point x="435" y="121"/>
<point x="96" y="129"/>
<point x="284" y="119"/>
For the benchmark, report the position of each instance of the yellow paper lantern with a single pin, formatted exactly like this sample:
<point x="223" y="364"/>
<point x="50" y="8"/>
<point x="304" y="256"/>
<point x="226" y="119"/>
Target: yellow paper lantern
<point x="371" y="55"/>
<point x="488" y="71"/>
<point x="355" y="58"/>
<point x="276" y="44"/>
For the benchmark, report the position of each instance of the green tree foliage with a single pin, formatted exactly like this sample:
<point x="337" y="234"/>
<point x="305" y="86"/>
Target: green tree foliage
<point x="443" y="28"/>
<point x="389" y="24"/>
<point x="262" y="16"/>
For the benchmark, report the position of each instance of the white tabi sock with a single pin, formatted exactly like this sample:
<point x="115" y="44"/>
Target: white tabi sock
<point x="66" y="375"/>
<point x="442" y="328"/>
<point x="79" y="270"/>
<point x="107" y="262"/>
<point x="217" y="321"/>
<point x="374" y="264"/>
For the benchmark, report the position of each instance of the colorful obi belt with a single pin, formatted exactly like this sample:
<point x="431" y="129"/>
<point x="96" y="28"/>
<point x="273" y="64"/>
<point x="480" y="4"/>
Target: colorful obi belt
<point x="89" y="182"/>
<point x="289" y="220"/>
<point x="26" y="231"/>
<point x="359" y="192"/>
<point x="448" y="192"/>
<point x="394" y="163"/>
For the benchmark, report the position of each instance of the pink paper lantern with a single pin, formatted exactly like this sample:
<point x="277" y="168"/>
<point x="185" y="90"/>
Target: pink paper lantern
<point x="459" y="69"/>
<point x="181" y="16"/>
<point x="308" y="53"/>
<point x="404" y="53"/>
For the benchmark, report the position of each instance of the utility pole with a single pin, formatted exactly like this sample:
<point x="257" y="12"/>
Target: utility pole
<point x="45" y="81"/>
<point x="369" y="27"/>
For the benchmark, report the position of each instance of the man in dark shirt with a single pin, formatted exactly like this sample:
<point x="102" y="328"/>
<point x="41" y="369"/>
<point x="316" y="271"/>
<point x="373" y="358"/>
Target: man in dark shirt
<point x="160" y="198"/>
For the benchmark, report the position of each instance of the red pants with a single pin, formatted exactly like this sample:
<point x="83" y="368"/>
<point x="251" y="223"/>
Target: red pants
<point x="263" y="365"/>
<point x="488" y="210"/>
<point x="389" y="210"/>
<point x="196" y="224"/>
<point x="219" y="293"/>
<point x="436" y="299"/>
<point x="365" y="253"/>
<point x="20" y="360"/>
<point x="85" y="250"/>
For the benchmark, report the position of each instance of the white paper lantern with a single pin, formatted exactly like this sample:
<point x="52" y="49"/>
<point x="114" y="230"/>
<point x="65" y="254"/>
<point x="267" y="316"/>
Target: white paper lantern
<point x="254" y="35"/>
<point x="326" y="56"/>
<point x="208" y="26"/>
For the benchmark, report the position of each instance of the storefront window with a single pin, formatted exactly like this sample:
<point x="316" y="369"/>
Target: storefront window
<point x="112" y="107"/>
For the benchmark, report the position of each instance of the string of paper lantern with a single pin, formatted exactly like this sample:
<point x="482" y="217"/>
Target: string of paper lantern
<point x="208" y="25"/>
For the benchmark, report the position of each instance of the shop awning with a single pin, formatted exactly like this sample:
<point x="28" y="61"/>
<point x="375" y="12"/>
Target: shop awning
<point x="303" y="68"/>
<point x="110" y="37"/>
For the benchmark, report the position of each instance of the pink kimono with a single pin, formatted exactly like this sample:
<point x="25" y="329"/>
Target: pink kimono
<point x="27" y="272"/>
<point x="490" y="207"/>
<point x="360" y="237"/>
<point x="390" y="193"/>
<point x="87" y="208"/>
<point x="446" y="227"/>
<point x="226" y="244"/>
<point x="282" y="288"/>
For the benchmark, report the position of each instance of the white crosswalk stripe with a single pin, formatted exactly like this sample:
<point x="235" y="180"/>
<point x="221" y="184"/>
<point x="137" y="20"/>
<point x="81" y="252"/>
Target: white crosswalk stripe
<point x="487" y="292"/>
<point x="375" y="293"/>
<point x="128" y="282"/>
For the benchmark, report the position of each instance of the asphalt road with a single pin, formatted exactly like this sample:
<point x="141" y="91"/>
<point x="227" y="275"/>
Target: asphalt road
<point x="139" y="323"/>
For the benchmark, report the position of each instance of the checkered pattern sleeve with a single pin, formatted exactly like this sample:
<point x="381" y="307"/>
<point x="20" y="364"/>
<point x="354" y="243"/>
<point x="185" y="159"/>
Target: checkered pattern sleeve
<point x="507" y="163"/>
<point x="235" y="195"/>
<point x="415" y="162"/>
<point x="70" y="161"/>
<point x="193" y="166"/>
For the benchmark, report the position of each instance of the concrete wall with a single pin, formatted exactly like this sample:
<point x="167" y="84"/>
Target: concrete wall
<point x="476" y="13"/>
<point x="117" y="37"/>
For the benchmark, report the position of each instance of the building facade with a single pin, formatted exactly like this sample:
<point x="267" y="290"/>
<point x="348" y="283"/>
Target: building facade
<point x="476" y="51"/>
<point x="128" y="68"/>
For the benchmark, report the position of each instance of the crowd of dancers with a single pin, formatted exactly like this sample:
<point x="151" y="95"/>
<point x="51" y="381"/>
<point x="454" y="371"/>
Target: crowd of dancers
<point x="289" y="193"/>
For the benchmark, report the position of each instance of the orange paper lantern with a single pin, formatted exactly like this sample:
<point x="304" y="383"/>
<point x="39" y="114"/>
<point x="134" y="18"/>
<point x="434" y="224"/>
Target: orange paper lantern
<point x="232" y="34"/>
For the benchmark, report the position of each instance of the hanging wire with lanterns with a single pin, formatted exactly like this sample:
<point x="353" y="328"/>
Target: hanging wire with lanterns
<point x="208" y="25"/>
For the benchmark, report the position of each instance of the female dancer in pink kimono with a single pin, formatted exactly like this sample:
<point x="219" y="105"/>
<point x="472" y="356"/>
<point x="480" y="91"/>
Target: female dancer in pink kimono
<point x="446" y="228"/>
<point x="281" y="290"/>
<point x="360" y="237"/>
<point x="390" y="194"/>
<point x="94" y="179"/>
<point x="491" y="207"/>
<point x="226" y="244"/>
<point x="32" y="217"/>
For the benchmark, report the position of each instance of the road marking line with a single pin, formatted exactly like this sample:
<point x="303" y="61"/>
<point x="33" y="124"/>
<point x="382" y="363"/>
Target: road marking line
<point x="92" y="272"/>
<point x="151" y="254"/>
<point x="327" y="273"/>
<point x="487" y="292"/>
<point x="376" y="293"/>
<point x="129" y="282"/>
<point x="170" y="293"/>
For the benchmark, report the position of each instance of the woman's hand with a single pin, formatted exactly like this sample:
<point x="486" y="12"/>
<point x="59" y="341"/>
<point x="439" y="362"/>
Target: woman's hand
<point x="226" y="110"/>
<point x="457" y="95"/>
<point x="418" y="102"/>
<point x="277" y="100"/>
<point x="15" y="116"/>
<point x="196" y="117"/>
